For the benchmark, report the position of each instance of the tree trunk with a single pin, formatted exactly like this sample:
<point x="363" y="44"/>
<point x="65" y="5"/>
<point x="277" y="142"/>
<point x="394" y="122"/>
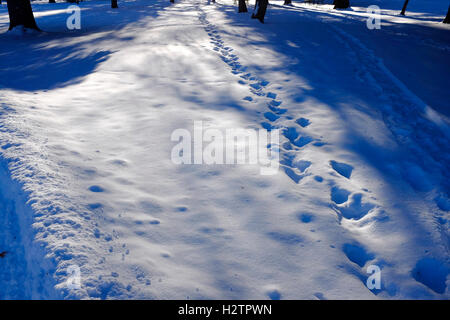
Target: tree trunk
<point x="173" y="1"/>
<point x="242" y="6"/>
<point x="21" y="14"/>
<point x="341" y="4"/>
<point x="114" y="4"/>
<point x="404" y="7"/>
<point x="260" y="8"/>
<point x="287" y="2"/>
<point x="447" y="18"/>
<point x="51" y="1"/>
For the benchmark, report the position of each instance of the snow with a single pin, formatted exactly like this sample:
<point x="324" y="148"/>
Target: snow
<point x="86" y="119"/>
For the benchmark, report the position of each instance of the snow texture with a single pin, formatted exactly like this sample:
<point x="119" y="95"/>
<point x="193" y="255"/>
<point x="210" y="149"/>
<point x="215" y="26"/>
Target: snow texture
<point x="86" y="177"/>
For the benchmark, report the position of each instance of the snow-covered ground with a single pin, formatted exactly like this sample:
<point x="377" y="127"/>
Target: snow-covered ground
<point x="86" y="176"/>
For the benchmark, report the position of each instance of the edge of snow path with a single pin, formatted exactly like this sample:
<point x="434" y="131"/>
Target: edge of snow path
<point x="24" y="265"/>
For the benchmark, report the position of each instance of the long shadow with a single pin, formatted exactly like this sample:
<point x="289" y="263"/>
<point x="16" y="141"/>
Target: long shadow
<point x="431" y="43"/>
<point x="301" y="41"/>
<point x="59" y="57"/>
<point x="292" y="32"/>
<point x="53" y="58"/>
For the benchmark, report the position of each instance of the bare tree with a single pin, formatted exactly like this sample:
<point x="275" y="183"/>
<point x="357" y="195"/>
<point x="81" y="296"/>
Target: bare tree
<point x="341" y="4"/>
<point x="447" y="17"/>
<point x="405" y="4"/>
<point x="260" y="8"/>
<point x="114" y="4"/>
<point x="242" y="6"/>
<point x="21" y="14"/>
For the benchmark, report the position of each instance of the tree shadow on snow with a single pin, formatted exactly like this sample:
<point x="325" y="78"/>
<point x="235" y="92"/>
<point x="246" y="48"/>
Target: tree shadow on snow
<point x="303" y="44"/>
<point x="59" y="57"/>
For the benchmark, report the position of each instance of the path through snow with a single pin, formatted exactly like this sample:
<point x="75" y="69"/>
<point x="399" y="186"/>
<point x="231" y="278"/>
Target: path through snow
<point x="363" y="177"/>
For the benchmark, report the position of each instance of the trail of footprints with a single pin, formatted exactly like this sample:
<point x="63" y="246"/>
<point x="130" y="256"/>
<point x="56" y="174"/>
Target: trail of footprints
<point x="295" y="139"/>
<point x="348" y="205"/>
<point x="294" y="169"/>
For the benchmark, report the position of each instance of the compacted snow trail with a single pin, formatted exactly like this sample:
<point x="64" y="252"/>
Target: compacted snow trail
<point x="92" y="150"/>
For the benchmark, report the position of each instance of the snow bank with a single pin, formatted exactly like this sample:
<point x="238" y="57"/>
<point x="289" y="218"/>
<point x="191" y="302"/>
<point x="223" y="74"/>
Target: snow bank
<point x="25" y="273"/>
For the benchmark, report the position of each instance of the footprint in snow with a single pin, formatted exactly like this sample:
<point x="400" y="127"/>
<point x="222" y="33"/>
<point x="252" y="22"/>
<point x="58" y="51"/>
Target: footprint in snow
<point x="301" y="165"/>
<point x="293" y="136"/>
<point x="271" y="95"/>
<point x="287" y="159"/>
<point x="343" y="169"/>
<point x="290" y="133"/>
<point x="293" y="175"/>
<point x="355" y="209"/>
<point x="274" y="295"/>
<point x="319" y="143"/>
<point x="320" y="296"/>
<point x="432" y="273"/>
<point x="275" y="103"/>
<point x="276" y="110"/>
<point x="303" y="141"/>
<point x="96" y="189"/>
<point x="305" y="217"/>
<point x="303" y="122"/>
<point x="257" y="92"/>
<point x="95" y="206"/>
<point x="271" y="117"/>
<point x="255" y="86"/>
<point x="267" y="126"/>
<point x="339" y="195"/>
<point x="356" y="253"/>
